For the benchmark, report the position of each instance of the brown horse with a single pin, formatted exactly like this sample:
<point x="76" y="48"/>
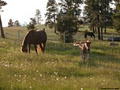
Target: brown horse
<point x="35" y="37"/>
<point x="85" y="48"/>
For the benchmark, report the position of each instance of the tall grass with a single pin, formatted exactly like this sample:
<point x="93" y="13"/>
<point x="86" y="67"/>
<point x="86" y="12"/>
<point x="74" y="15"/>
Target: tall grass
<point x="59" y="68"/>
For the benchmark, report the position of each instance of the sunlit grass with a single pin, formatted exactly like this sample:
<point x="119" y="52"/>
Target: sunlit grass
<point x="59" y="68"/>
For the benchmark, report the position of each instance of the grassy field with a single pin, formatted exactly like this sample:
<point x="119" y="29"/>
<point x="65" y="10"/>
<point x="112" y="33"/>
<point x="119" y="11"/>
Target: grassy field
<point x="59" y="68"/>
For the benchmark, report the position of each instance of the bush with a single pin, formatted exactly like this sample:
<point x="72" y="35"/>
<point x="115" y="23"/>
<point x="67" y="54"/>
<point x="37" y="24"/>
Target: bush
<point x="30" y="26"/>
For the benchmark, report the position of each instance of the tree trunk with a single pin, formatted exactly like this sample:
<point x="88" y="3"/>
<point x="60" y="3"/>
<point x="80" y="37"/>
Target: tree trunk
<point x="54" y="24"/>
<point x="98" y="19"/>
<point x="55" y="29"/>
<point x="94" y="29"/>
<point x="2" y="31"/>
<point x="105" y="31"/>
<point x="98" y="33"/>
<point x="101" y="33"/>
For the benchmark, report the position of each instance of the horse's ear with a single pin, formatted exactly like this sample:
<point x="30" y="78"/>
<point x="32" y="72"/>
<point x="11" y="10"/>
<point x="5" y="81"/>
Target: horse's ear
<point x="88" y="41"/>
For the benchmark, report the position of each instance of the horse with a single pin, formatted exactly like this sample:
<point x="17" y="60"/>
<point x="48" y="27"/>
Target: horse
<point x="84" y="47"/>
<point x="35" y="37"/>
<point x="91" y="34"/>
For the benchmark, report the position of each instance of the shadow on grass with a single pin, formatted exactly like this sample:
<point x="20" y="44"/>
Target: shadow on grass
<point x="100" y="53"/>
<point x="101" y="57"/>
<point x="68" y="72"/>
<point x="62" y="49"/>
<point x="105" y="57"/>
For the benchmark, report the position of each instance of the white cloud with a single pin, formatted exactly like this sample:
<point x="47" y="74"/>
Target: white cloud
<point x="22" y="10"/>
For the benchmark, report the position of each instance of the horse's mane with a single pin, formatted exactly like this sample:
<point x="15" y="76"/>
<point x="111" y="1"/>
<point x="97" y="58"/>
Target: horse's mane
<point x="24" y="40"/>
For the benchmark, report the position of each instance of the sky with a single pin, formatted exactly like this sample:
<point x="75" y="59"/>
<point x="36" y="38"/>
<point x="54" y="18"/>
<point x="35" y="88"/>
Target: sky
<point x="22" y="10"/>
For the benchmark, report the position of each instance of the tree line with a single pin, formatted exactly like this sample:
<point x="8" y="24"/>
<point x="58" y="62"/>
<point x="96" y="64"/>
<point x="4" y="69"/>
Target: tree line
<point x="64" y="16"/>
<point x="33" y="21"/>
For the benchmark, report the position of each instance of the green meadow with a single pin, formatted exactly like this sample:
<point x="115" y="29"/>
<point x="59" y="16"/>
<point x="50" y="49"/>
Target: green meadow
<point x="60" y="67"/>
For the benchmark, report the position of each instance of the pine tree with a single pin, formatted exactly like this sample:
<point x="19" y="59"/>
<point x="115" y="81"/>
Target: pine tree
<point x="116" y="17"/>
<point x="10" y="23"/>
<point x="33" y="21"/>
<point x="38" y="16"/>
<point x="16" y="23"/>
<point x="51" y="14"/>
<point x="68" y="19"/>
<point x="98" y="14"/>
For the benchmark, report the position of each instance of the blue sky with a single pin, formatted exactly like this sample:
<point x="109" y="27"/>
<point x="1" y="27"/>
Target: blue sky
<point x="22" y="10"/>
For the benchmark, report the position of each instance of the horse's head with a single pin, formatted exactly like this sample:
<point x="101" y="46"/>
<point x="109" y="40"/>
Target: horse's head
<point x="24" y="49"/>
<point x="76" y="44"/>
<point x="87" y="45"/>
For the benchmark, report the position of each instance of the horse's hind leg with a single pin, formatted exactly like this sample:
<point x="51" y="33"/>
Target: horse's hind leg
<point x="85" y="36"/>
<point x="35" y="48"/>
<point x="29" y="48"/>
<point x="93" y="36"/>
<point x="83" y="58"/>
<point x="42" y="48"/>
<point x="88" y="56"/>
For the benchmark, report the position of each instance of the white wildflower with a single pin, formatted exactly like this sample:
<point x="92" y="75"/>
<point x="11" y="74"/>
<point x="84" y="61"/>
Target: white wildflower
<point x="81" y="89"/>
<point x="37" y="71"/>
<point x="65" y="77"/>
<point x="40" y="75"/>
<point x="91" y="78"/>
<point x="20" y="75"/>
<point x="33" y="78"/>
<point x="56" y="73"/>
<point x="30" y="87"/>
<point x="57" y="78"/>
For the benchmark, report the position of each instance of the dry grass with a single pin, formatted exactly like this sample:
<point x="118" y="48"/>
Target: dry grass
<point x="60" y="68"/>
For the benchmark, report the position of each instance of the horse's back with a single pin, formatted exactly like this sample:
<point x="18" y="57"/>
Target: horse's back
<point x="89" y="34"/>
<point x="42" y="34"/>
<point x="36" y="36"/>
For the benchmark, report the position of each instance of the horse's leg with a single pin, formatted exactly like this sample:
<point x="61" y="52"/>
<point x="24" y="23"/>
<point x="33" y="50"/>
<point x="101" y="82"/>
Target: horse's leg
<point x="83" y="56"/>
<point x="41" y="47"/>
<point x="85" y="36"/>
<point x="94" y="36"/>
<point x="29" y="48"/>
<point x="44" y="44"/>
<point x="88" y="56"/>
<point x="91" y="36"/>
<point x="35" y="48"/>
